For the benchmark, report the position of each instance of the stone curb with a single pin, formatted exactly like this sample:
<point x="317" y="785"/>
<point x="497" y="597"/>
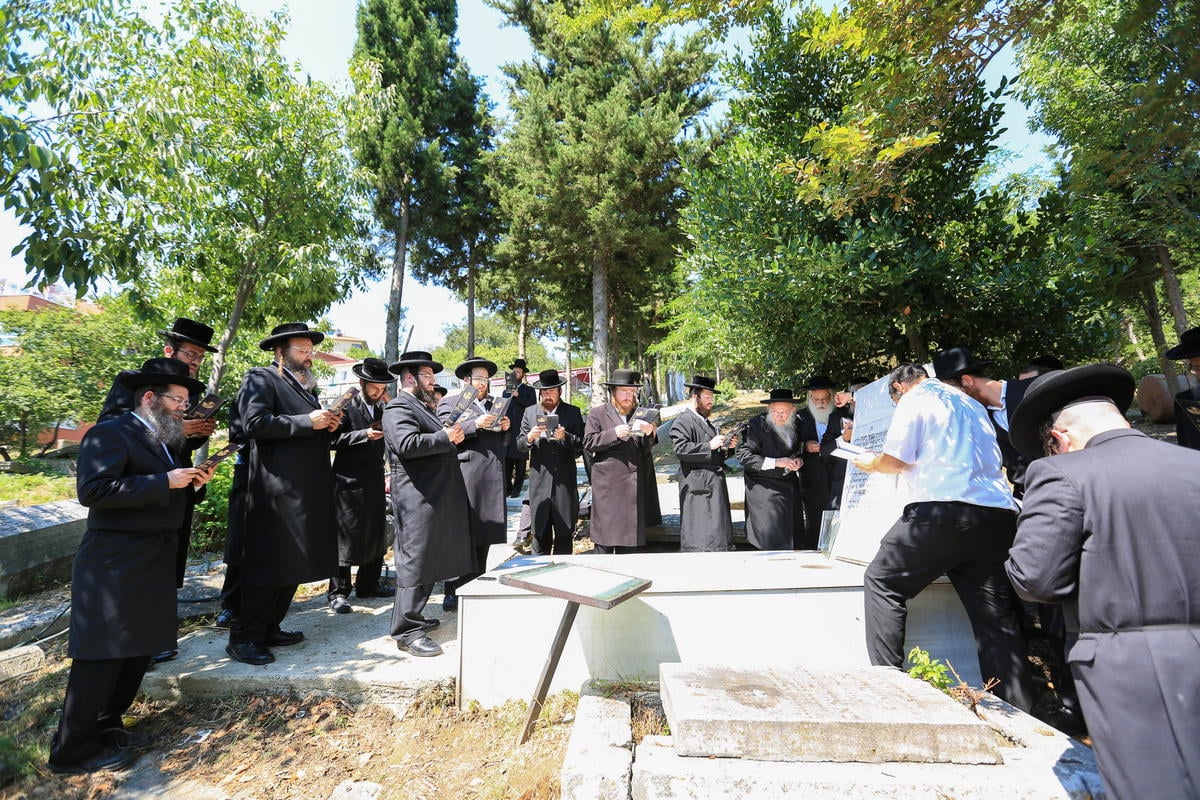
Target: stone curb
<point x="599" y="760"/>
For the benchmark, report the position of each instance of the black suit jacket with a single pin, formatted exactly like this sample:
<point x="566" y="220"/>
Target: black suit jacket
<point x="1015" y="462"/>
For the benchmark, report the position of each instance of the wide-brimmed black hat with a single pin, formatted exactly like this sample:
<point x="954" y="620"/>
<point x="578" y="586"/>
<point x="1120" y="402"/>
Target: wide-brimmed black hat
<point x="290" y="330"/>
<point x="464" y="369"/>
<point x="702" y="382"/>
<point x="519" y="362"/>
<point x="954" y="362"/>
<point x="549" y="379"/>
<point x="414" y="358"/>
<point x="1046" y="363"/>
<point x="817" y="382"/>
<point x="189" y="330"/>
<point x="161" y="371"/>
<point x="1188" y="347"/>
<point x="1054" y="390"/>
<point x="440" y="391"/>
<point x="624" y="377"/>
<point x="373" y="370"/>
<point x="781" y="396"/>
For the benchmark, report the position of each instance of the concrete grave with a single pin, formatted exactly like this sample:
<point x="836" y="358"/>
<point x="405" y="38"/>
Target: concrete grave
<point x="38" y="543"/>
<point x="793" y="713"/>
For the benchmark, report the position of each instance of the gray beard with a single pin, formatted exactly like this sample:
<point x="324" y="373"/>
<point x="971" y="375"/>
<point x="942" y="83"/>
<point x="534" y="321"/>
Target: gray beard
<point x="167" y="428"/>
<point x="821" y="415"/>
<point x="786" y="432"/>
<point x="426" y="396"/>
<point x="302" y="374"/>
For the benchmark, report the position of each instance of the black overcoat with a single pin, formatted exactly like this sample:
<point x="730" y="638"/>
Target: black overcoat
<point x="523" y="397"/>
<point x="553" y="475"/>
<point x="835" y="467"/>
<point x="1186" y="432"/>
<point x="289" y="535"/>
<point x="359" y="504"/>
<point x="774" y="501"/>
<point x="123" y="579"/>
<point x="1015" y="462"/>
<point x="814" y="478"/>
<point x="235" y="524"/>
<point x="1111" y="531"/>
<point x="429" y="498"/>
<point x="704" y="518"/>
<point x="481" y="461"/>
<point x="618" y="487"/>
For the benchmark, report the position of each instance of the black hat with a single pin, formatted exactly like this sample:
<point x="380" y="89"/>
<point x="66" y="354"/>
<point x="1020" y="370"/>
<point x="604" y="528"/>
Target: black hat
<point x="702" y="382"/>
<point x="290" y="330"/>
<point x="819" y="382"/>
<point x="1046" y="363"/>
<point x="464" y="369"/>
<point x="189" y="330"/>
<point x="624" y="377"/>
<point x="1188" y="347"/>
<point x="373" y="370"/>
<point x="954" y="362"/>
<point x="519" y="362"/>
<point x="549" y="379"/>
<point x="1055" y="390"/>
<point x="781" y="396"/>
<point x="414" y="358"/>
<point x="160" y="371"/>
<point x="440" y="391"/>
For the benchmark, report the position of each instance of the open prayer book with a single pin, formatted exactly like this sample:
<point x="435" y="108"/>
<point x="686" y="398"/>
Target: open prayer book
<point x="848" y="450"/>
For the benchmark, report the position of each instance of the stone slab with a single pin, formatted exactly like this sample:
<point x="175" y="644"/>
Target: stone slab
<point x="1040" y="763"/>
<point x="21" y="661"/>
<point x="38" y="544"/>
<point x="599" y="757"/>
<point x="794" y="713"/>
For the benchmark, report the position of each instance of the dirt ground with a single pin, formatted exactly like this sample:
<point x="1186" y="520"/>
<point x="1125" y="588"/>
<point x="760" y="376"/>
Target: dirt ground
<point x="298" y="748"/>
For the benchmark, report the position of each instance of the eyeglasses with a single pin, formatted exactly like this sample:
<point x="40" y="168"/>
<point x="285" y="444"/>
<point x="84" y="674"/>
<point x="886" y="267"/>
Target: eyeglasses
<point x="182" y="402"/>
<point x="304" y="351"/>
<point x="425" y="375"/>
<point x="190" y="356"/>
<point x="479" y="379"/>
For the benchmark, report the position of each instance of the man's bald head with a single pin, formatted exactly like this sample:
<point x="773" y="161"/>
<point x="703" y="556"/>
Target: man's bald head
<point x="1074" y="425"/>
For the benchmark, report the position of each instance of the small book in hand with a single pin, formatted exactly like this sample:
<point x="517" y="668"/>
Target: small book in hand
<point x="340" y="404"/>
<point x="643" y="414"/>
<point x="464" y="401"/>
<point x="549" y="422"/>
<point x="500" y="409"/>
<point x="219" y="456"/>
<point x="206" y="408"/>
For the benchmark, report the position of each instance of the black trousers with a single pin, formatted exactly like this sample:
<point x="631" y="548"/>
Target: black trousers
<point x="231" y="588"/>
<point x="261" y="611"/>
<point x="99" y="692"/>
<point x="452" y="584"/>
<point x="605" y="549"/>
<point x="514" y="474"/>
<point x="406" y="612"/>
<point x="968" y="544"/>
<point x="366" y="580"/>
<point x="554" y="539"/>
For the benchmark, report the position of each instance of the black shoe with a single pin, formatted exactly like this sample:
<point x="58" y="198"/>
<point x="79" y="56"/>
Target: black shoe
<point x="378" y="591"/>
<point x="252" y="653"/>
<point x="422" y="647"/>
<point x="126" y="739"/>
<point x="165" y="655"/>
<point x="284" y="638"/>
<point x="225" y="618"/>
<point x="450" y="602"/>
<point x="340" y="605"/>
<point x="429" y="623"/>
<point x="109" y="758"/>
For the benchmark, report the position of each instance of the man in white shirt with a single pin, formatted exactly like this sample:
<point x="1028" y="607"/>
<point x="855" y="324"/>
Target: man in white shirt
<point x="960" y="523"/>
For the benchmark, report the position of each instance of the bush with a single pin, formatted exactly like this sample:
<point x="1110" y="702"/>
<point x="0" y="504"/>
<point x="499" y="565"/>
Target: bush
<point x="212" y="514"/>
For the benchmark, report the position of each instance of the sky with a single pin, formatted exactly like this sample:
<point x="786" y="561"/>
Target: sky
<point x="321" y="39"/>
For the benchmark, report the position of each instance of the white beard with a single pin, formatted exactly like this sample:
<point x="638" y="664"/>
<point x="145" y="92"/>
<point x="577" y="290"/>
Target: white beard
<point x="787" y="431"/>
<point x="821" y="415"/>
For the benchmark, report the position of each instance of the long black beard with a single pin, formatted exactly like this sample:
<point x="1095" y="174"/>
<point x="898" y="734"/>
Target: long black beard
<point x="167" y="428"/>
<point x="302" y="373"/>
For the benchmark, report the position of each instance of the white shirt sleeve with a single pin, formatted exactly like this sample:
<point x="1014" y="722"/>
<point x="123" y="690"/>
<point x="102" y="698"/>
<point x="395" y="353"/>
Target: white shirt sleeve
<point x="907" y="429"/>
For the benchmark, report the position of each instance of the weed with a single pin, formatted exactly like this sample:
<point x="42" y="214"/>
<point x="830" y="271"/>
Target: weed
<point x="930" y="670"/>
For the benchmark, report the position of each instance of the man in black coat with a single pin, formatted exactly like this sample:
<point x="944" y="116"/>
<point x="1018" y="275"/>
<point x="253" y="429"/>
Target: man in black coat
<point x="1187" y="402"/>
<point x="429" y="501"/>
<point x="1108" y="528"/>
<point x="814" y="478"/>
<point x="289" y="536"/>
<point x="358" y="489"/>
<point x="840" y="426"/>
<point x="553" y="478"/>
<point x="123" y="579"/>
<point x="514" y="459"/>
<point x="620" y="446"/>
<point x="772" y="453"/>
<point x="705" y="523"/>
<point x="481" y="461"/>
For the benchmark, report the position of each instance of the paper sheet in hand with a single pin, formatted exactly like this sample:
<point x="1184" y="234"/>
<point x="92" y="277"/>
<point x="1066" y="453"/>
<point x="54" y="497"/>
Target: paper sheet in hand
<point x="847" y="450"/>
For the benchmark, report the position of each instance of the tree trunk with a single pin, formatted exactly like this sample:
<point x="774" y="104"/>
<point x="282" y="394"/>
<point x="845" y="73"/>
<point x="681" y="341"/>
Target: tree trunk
<point x="391" y="343"/>
<point x="245" y="289"/>
<point x="567" y="386"/>
<point x="24" y="436"/>
<point x="523" y="330"/>
<point x="53" y="438"/>
<point x="600" y="323"/>
<point x="471" y="311"/>
<point x="1133" y="338"/>
<point x="1154" y="318"/>
<point x="1171" y="283"/>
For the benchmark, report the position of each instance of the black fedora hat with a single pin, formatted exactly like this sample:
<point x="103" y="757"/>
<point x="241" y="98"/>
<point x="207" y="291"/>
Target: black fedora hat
<point x="161" y="371"/>
<point x="189" y="330"/>
<point x="781" y="396"/>
<point x="519" y="362"/>
<point x="624" y="377"/>
<point x="464" y="369"/>
<point x="290" y="330"/>
<point x="1188" y="347"/>
<point x="373" y="370"/>
<point x="1050" y="392"/>
<point x="955" y="361"/>
<point x="414" y="358"/>
<point x="702" y="382"/>
<point x="549" y="379"/>
<point x="817" y="382"/>
<point x="440" y="391"/>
